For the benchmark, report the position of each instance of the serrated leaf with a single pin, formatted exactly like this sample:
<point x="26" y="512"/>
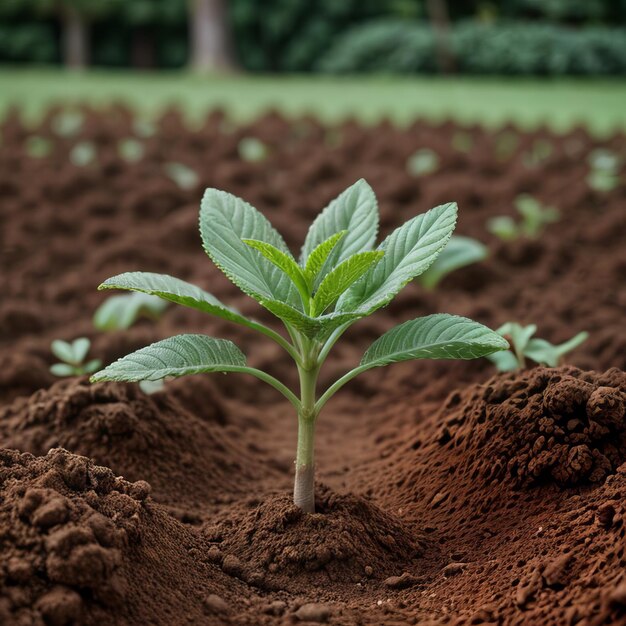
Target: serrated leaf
<point x="178" y="291"/>
<point x="313" y="327"/>
<point x="121" y="312"/>
<point x="356" y="211"/>
<point x="409" y="251"/>
<point x="318" y="256"/>
<point x="460" y="252"/>
<point x="177" y="356"/>
<point x="62" y="350"/>
<point x="224" y="221"/>
<point x="437" y="336"/>
<point x="80" y="348"/>
<point x="62" y="369"/>
<point x="340" y="278"/>
<point x="285" y="263"/>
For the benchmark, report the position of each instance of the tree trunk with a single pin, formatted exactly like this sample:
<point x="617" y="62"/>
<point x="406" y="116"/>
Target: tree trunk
<point x="210" y="36"/>
<point x="75" y="39"/>
<point x="440" y="19"/>
<point x="142" y="51"/>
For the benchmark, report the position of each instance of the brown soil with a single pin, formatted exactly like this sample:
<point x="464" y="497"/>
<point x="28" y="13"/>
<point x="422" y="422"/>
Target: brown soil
<point x="446" y="494"/>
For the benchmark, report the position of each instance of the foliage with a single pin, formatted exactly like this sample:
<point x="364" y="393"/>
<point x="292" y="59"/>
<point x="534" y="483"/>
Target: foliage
<point x="460" y="252"/>
<point x="338" y="279"/>
<point x="121" y="312"/>
<point x="534" y="218"/>
<point x="524" y="48"/>
<point x="604" y="167"/>
<point x="290" y="35"/>
<point x="182" y="175"/>
<point x="72" y="354"/>
<point x="252" y="150"/>
<point x="423" y="161"/>
<point x="524" y="346"/>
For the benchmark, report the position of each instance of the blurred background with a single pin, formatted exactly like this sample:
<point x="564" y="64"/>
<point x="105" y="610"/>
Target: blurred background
<point x="371" y="58"/>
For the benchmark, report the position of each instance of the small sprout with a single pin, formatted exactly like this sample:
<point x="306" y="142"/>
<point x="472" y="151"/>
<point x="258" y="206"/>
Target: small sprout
<point x="604" y="170"/>
<point x="524" y="346"/>
<point x="144" y="128"/>
<point x="462" y="141"/>
<point x="423" y="161"/>
<point x="151" y="386"/>
<point x="252" y="150"/>
<point x="182" y="175"/>
<point x="131" y="150"/>
<point x="73" y="356"/>
<point x="38" y="147"/>
<point x="83" y="153"/>
<point x="460" y="252"/>
<point x="506" y="144"/>
<point x="121" y="312"/>
<point x="337" y="280"/>
<point x="539" y="152"/>
<point x="534" y="217"/>
<point x="67" y="123"/>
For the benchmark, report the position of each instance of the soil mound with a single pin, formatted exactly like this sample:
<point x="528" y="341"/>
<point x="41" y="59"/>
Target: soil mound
<point x="348" y="540"/>
<point x="191" y="463"/>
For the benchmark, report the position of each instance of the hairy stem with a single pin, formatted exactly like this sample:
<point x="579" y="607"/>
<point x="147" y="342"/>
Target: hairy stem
<point x="304" y="484"/>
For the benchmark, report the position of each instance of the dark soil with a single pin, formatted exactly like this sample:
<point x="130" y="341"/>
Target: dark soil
<point x="446" y="494"/>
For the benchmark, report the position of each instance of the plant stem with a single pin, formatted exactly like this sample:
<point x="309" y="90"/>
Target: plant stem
<point x="304" y="484"/>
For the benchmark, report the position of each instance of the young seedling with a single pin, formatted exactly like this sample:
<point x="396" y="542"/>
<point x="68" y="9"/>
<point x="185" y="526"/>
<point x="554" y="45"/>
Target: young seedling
<point x="252" y="150"/>
<point x="121" y="312"/>
<point x="424" y="161"/>
<point x="603" y="170"/>
<point x="524" y="346"/>
<point x="73" y="356"/>
<point x="459" y="252"/>
<point x="534" y="218"/>
<point x="337" y="280"/>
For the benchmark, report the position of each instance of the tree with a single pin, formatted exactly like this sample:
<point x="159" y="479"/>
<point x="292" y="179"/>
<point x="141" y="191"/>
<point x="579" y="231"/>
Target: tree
<point x="210" y="38"/>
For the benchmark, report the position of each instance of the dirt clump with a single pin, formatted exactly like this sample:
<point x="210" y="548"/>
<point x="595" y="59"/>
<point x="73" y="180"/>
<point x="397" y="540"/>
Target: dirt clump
<point x="349" y="540"/>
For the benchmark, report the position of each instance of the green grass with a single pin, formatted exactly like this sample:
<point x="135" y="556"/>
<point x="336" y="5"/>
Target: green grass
<point x="598" y="104"/>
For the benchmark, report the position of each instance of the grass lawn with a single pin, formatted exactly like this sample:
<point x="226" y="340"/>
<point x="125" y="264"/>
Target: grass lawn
<point x="598" y="104"/>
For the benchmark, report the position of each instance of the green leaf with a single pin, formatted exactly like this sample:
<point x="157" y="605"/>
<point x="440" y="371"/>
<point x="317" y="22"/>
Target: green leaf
<point x="437" y="336"/>
<point x="178" y="291"/>
<point x="318" y="257"/>
<point x="62" y="350"/>
<point x="121" y="312"/>
<point x="80" y="348"/>
<point x="520" y="335"/>
<point x="62" y="369"/>
<point x="313" y="327"/>
<point x="460" y="252"/>
<point x="344" y="275"/>
<point x="92" y="366"/>
<point x="284" y="262"/>
<point x="409" y="251"/>
<point x="177" y="356"/>
<point x="503" y="227"/>
<point x="545" y="353"/>
<point x="504" y="361"/>
<point x="356" y="211"/>
<point x="225" y="221"/>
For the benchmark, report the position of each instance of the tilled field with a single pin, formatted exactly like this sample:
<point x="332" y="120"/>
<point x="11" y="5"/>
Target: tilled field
<point x="446" y="493"/>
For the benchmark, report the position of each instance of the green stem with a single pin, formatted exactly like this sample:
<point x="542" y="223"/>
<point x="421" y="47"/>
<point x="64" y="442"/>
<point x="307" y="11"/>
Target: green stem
<point x="330" y="342"/>
<point x="304" y="483"/>
<point x="270" y="380"/>
<point x="279" y="339"/>
<point x="337" y="385"/>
